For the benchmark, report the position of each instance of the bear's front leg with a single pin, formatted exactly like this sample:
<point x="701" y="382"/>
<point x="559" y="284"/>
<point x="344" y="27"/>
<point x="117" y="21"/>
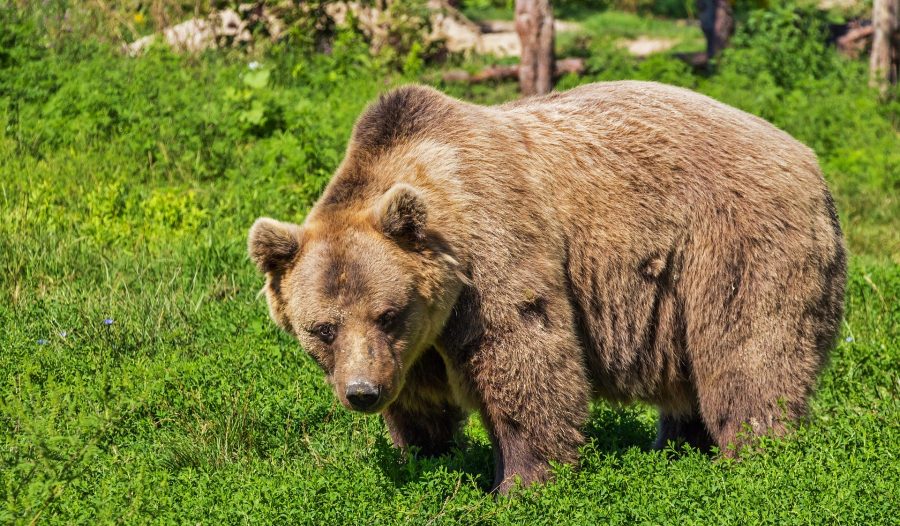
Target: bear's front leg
<point x="534" y="395"/>
<point x="424" y="415"/>
<point x="431" y="428"/>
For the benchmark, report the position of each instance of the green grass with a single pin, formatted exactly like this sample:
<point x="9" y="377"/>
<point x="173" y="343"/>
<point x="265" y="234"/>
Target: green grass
<point x="608" y="26"/>
<point x="126" y="190"/>
<point x="488" y="12"/>
<point x="629" y="25"/>
<point x="617" y="26"/>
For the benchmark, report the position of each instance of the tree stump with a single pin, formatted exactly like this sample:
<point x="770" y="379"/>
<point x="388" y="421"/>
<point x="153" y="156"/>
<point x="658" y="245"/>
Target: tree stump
<point x="885" y="58"/>
<point x="534" y="24"/>
<point x="717" y="23"/>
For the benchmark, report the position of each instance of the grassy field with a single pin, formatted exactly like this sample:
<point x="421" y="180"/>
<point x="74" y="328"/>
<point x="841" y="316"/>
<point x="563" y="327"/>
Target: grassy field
<point x="141" y="380"/>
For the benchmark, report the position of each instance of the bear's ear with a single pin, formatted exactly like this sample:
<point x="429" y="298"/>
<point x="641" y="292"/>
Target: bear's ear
<point x="401" y="214"/>
<point x="273" y="244"/>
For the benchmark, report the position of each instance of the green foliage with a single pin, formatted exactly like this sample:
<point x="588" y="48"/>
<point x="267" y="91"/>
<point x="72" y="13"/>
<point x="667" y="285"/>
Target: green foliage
<point x="127" y="187"/>
<point x="783" y="43"/>
<point x="603" y="31"/>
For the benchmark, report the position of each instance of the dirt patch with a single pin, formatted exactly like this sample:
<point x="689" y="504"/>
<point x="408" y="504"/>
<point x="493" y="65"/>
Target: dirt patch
<point x="643" y="46"/>
<point x="503" y="44"/>
<point x="839" y="4"/>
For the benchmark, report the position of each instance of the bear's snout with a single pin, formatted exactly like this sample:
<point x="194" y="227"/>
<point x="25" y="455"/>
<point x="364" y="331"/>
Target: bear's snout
<point x="362" y="394"/>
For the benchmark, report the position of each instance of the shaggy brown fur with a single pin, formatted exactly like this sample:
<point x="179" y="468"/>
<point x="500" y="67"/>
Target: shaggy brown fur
<point x="624" y="240"/>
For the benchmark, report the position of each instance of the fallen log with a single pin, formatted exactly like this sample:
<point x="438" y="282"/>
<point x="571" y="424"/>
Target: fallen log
<point x="511" y="72"/>
<point x="697" y="60"/>
<point x="855" y="41"/>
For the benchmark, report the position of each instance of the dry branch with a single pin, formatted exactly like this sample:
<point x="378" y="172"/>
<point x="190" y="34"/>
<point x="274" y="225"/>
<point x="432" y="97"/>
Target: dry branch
<point x="855" y="40"/>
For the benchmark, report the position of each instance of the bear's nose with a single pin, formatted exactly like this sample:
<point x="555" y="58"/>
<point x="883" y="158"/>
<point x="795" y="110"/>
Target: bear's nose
<point x="362" y="395"/>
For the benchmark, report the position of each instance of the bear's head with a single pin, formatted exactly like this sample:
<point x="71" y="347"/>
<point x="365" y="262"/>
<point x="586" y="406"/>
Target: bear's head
<point x="364" y="289"/>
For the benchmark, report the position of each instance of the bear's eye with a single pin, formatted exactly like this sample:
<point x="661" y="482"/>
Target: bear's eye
<point x="325" y="331"/>
<point x="387" y="319"/>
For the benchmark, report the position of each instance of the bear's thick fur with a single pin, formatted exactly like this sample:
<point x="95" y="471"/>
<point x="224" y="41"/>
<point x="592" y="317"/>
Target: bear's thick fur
<point x="622" y="240"/>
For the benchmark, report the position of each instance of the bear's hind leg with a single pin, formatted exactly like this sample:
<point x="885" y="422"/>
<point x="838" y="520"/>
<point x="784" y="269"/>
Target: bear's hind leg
<point x="756" y="339"/>
<point x="755" y="379"/>
<point x="683" y="429"/>
<point x="737" y="407"/>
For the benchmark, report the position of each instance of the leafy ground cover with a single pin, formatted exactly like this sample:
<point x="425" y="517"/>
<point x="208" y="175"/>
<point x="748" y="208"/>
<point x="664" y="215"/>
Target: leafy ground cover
<point x="140" y="379"/>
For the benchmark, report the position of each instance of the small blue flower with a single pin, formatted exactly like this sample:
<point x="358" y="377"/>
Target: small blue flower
<point x="849" y="339"/>
<point x="63" y="334"/>
<point x="42" y="342"/>
<point x="108" y="321"/>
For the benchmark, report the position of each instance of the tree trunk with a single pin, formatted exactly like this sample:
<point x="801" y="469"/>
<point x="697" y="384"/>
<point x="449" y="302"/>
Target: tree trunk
<point x="885" y="60"/>
<point x="534" y="24"/>
<point x="717" y="23"/>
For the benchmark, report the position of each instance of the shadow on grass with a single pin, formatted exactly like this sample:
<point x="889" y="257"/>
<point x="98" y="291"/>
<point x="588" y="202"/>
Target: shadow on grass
<point x="612" y="431"/>
<point x="468" y="457"/>
<point x="617" y="429"/>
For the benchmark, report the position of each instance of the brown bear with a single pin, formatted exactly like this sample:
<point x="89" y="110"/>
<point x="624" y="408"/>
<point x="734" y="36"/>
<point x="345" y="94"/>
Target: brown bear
<point x="622" y="240"/>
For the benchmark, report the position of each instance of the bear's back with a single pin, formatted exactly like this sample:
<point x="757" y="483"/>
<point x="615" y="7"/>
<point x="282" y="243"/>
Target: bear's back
<point x="658" y="128"/>
<point x="655" y="159"/>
